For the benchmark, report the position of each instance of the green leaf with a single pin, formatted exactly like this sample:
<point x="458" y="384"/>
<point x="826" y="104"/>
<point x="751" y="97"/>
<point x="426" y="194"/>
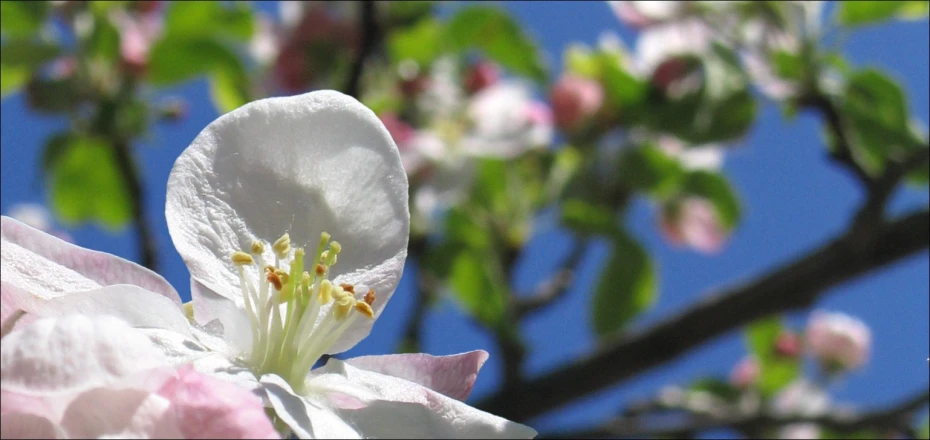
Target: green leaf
<point x="85" y="183"/>
<point x="580" y="61"/>
<point x="719" y="388"/>
<point x="624" y="90"/>
<point x="480" y="293"/>
<point x="715" y="188"/>
<point x="499" y="37"/>
<point x="21" y="18"/>
<point x="627" y="287"/>
<point x="581" y="216"/>
<point x="776" y="371"/>
<point x="173" y="60"/>
<point x="229" y="90"/>
<point x="199" y="19"/>
<point x="405" y="13"/>
<point x="12" y="79"/>
<point x="858" y="13"/>
<point x="877" y="119"/>
<point x="465" y="230"/>
<point x="788" y="64"/>
<point x="103" y="41"/>
<point x="419" y="43"/>
<point x="27" y="53"/>
<point x="649" y="169"/>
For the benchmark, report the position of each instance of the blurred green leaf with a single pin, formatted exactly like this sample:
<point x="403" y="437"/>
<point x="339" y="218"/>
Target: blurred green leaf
<point x="580" y="61"/>
<point x="788" y="65"/>
<point x="858" y="13"/>
<point x="54" y="95"/>
<point x="649" y="169"/>
<point x="476" y="289"/>
<point x="464" y="229"/>
<point x="877" y="118"/>
<point x="229" y="90"/>
<point x="405" y="13"/>
<point x="775" y="371"/>
<point x="586" y="218"/>
<point x="627" y="286"/>
<point x="199" y="19"/>
<point x="103" y="42"/>
<point x="419" y="43"/>
<point x="12" y="78"/>
<point x="499" y="37"/>
<point x="173" y="60"/>
<point x="623" y="89"/>
<point x="85" y="183"/>
<point x="715" y="188"/>
<point x="924" y="430"/>
<point x="21" y="18"/>
<point x="566" y="162"/>
<point x="26" y="53"/>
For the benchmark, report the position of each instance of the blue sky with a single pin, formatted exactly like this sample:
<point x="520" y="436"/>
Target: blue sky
<point x="793" y="201"/>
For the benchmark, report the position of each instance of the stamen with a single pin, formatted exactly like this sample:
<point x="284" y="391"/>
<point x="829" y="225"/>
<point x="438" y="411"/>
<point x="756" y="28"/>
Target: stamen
<point x="364" y="308"/>
<point x="275" y="280"/>
<point x="240" y="258"/>
<point x="282" y="246"/>
<point x="326" y="292"/>
<point x="347" y="287"/>
<point x="370" y="297"/>
<point x="258" y="247"/>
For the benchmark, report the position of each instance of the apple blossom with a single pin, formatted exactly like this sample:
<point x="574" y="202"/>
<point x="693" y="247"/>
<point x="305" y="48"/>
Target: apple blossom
<point x="575" y="100"/>
<point x="841" y="342"/>
<point x="97" y="377"/>
<point x="641" y="14"/>
<point x="695" y="222"/>
<point x="254" y="206"/>
<point x="481" y="75"/>
<point x="804" y="399"/>
<point x="695" y="157"/>
<point x="745" y="372"/>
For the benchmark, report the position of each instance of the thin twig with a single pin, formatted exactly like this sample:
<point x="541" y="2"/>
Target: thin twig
<point x="554" y="287"/>
<point x="370" y="33"/>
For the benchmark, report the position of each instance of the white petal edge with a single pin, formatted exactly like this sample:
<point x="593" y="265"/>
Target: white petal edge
<point x="307" y="418"/>
<point x="305" y="164"/>
<point x="452" y="375"/>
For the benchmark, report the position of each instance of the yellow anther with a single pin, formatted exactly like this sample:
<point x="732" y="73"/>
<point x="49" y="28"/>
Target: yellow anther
<point x="240" y="258"/>
<point x="326" y="293"/>
<point x="324" y="236"/>
<point x="258" y="247"/>
<point x="324" y="256"/>
<point x="370" y="297"/>
<point x="347" y="287"/>
<point x="335" y="247"/>
<point x="364" y="308"/>
<point x="189" y="310"/>
<point x="343" y="306"/>
<point x="282" y="246"/>
<point x="299" y="252"/>
<point x="305" y="280"/>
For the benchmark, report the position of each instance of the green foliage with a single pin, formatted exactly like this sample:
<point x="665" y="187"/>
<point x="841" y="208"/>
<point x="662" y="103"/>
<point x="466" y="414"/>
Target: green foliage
<point x="858" y="13"/>
<point x="627" y="287"/>
<point x="478" y="287"/>
<point x="775" y="371"/>
<point x="649" y="169"/>
<point x="85" y="183"/>
<point x="204" y="19"/>
<point x="624" y="91"/>
<point x="588" y="219"/>
<point x="721" y="389"/>
<point x="19" y="58"/>
<point x="21" y="18"/>
<point x="420" y="42"/>
<point x="877" y="120"/>
<point x="501" y="39"/>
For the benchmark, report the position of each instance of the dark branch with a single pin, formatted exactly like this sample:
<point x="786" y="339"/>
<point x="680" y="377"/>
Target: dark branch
<point x="370" y="33"/>
<point x="132" y="181"/>
<point x="791" y="287"/>
<point x="896" y="417"/>
<point x="553" y="288"/>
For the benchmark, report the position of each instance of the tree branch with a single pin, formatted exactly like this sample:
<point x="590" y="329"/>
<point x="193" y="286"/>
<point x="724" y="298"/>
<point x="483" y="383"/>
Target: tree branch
<point x="553" y="288"/>
<point x="791" y="287"/>
<point x="370" y="34"/>
<point x="130" y="176"/>
<point x="896" y="417"/>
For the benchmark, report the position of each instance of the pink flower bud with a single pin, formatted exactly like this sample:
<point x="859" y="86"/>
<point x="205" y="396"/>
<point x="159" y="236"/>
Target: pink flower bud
<point x="676" y="77"/>
<point x="399" y="130"/>
<point x="839" y="341"/>
<point x="574" y="100"/>
<point x="693" y="222"/>
<point x="745" y="373"/>
<point x="480" y="76"/>
<point x="788" y="345"/>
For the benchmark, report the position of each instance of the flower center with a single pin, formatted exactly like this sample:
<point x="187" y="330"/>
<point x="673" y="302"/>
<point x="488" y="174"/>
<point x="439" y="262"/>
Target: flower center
<point x="284" y="303"/>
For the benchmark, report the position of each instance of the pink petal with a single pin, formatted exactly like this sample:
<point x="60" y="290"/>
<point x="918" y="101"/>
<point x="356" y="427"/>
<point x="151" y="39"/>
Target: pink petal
<point x="48" y="267"/>
<point x="211" y="408"/>
<point x="26" y="426"/>
<point x="453" y="375"/>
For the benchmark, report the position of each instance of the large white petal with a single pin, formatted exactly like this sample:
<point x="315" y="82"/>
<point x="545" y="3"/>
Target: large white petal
<point x="397" y="408"/>
<point x="76" y="352"/>
<point x="47" y="266"/>
<point x="209" y="306"/>
<point x="305" y="164"/>
<point x="307" y="417"/>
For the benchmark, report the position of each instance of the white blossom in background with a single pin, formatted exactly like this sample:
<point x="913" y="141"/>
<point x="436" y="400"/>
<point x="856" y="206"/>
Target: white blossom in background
<point x="291" y="214"/>
<point x="693" y="222"/>
<point x="83" y="376"/>
<point x="804" y="399"/>
<point x="38" y="217"/>
<point x="841" y="342"/>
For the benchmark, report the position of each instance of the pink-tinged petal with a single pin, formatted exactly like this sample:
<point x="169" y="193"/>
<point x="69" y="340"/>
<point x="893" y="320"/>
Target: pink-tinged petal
<point x="208" y="408"/>
<point x="49" y="267"/>
<point x="453" y="375"/>
<point x="69" y="354"/>
<point x="13" y="301"/>
<point x="27" y="426"/>
<point x="119" y="413"/>
<point x="307" y="418"/>
<point x="399" y="408"/>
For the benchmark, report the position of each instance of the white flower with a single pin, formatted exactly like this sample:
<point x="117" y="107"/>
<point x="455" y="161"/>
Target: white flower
<point x="803" y="399"/>
<point x="255" y="207"/>
<point x="839" y="341"/>
<point x="506" y="121"/>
